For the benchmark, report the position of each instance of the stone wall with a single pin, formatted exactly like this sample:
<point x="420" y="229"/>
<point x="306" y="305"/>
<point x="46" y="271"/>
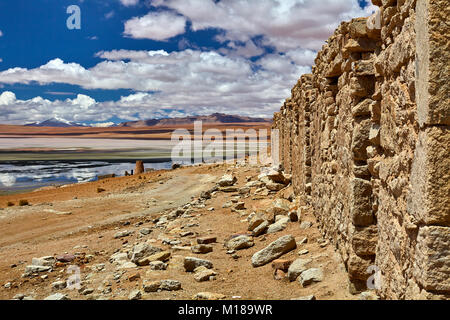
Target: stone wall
<point x="366" y="138"/>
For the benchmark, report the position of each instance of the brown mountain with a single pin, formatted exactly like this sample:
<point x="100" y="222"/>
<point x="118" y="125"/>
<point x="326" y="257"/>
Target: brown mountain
<point x="213" y="118"/>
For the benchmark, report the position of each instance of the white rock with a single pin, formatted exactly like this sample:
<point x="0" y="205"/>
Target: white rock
<point x="274" y="250"/>
<point x="311" y="275"/>
<point x="240" y="242"/>
<point x="135" y="295"/>
<point x="57" y="296"/>
<point x="297" y="267"/>
<point x="227" y="180"/>
<point x="59" y="285"/>
<point x="47" y="261"/>
<point x="280" y="225"/>
<point x="170" y="285"/>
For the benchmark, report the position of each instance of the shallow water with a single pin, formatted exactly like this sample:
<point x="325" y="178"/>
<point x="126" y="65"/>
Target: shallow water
<point x="27" y="175"/>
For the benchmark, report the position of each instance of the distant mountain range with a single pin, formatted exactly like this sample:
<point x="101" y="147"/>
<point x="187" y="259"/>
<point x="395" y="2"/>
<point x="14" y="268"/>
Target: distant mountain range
<point x="53" y="122"/>
<point x="213" y="118"/>
<point x="218" y="118"/>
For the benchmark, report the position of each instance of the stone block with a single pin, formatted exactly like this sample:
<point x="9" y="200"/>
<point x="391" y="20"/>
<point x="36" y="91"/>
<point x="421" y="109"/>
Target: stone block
<point x="432" y="262"/>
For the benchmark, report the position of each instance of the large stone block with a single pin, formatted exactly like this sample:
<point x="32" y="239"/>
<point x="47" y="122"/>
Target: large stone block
<point x="357" y="28"/>
<point x="362" y="86"/>
<point x="364" y="240"/>
<point x="429" y="197"/>
<point x="432" y="62"/>
<point x="362" y="108"/>
<point x="432" y="259"/>
<point x="360" y="202"/>
<point x="363" y="68"/>
<point x="358" y="266"/>
<point x="360" y="140"/>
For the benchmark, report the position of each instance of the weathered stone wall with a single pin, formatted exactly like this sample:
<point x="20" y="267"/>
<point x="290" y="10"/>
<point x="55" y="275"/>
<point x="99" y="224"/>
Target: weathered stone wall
<point x="366" y="138"/>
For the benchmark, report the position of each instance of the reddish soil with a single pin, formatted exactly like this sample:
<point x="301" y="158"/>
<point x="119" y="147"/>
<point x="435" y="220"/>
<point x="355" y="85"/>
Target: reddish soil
<point x="36" y="230"/>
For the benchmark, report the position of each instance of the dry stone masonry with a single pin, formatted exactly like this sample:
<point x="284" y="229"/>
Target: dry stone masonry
<point x="366" y="138"/>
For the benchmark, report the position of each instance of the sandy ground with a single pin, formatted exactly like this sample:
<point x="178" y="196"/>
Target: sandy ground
<point x="131" y="203"/>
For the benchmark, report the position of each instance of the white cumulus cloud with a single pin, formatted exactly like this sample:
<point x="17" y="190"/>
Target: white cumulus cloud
<point x="129" y="3"/>
<point x="193" y="81"/>
<point x="286" y="24"/>
<point x="155" y="26"/>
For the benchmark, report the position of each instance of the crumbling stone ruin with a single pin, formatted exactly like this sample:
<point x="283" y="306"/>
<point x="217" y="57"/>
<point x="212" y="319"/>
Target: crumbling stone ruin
<point x="366" y="138"/>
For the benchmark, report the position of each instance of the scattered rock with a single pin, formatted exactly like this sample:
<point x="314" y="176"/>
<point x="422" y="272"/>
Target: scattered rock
<point x="368" y="295"/>
<point x="160" y="256"/>
<point x="142" y="250"/>
<point x="202" y="248"/>
<point x="170" y="285"/>
<point x="227" y="180"/>
<point x="228" y="189"/>
<point x="270" y="185"/>
<point x="118" y="258"/>
<point x="208" y="296"/>
<point x="305" y="225"/>
<point x="255" y="221"/>
<point x="122" y="234"/>
<point x="186" y="234"/>
<point x="58" y="285"/>
<point x="243" y="191"/>
<point x="279" y="274"/>
<point x="240" y="242"/>
<point x="259" y="230"/>
<point x="280" y="207"/>
<point x="274" y="250"/>
<point x="57" y="296"/>
<point x="311" y="275"/>
<point x="19" y="296"/>
<point x="87" y="291"/>
<point x="181" y="248"/>
<point x="152" y="286"/>
<point x="135" y="295"/>
<point x="281" y="264"/>
<point x="276" y="175"/>
<point x="278" y="226"/>
<point x="134" y="276"/>
<point x="303" y="252"/>
<point x="311" y="297"/>
<point x="145" y="231"/>
<point x="297" y="267"/>
<point x="190" y="263"/>
<point x="98" y="267"/>
<point x="227" y="204"/>
<point x="158" y="265"/>
<point x="239" y="206"/>
<point x="206" y="240"/>
<point x="47" y="261"/>
<point x="204" y="275"/>
<point x="205" y="195"/>
<point x="65" y="258"/>
<point x="29" y="270"/>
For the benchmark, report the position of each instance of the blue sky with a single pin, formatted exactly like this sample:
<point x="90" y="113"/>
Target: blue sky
<point x="138" y="59"/>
